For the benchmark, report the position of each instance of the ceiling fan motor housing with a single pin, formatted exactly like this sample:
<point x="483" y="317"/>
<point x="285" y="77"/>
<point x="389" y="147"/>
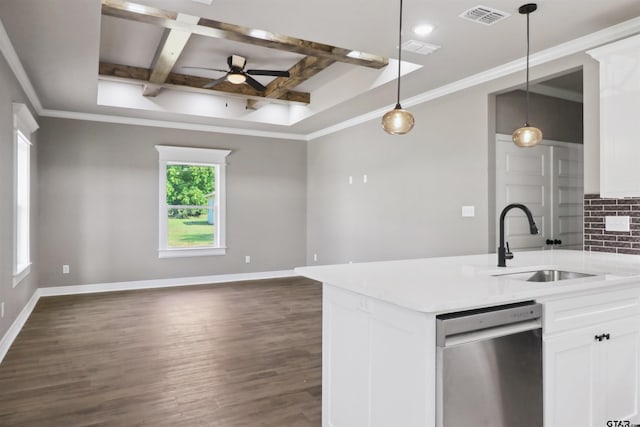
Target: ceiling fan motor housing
<point x="236" y="62"/>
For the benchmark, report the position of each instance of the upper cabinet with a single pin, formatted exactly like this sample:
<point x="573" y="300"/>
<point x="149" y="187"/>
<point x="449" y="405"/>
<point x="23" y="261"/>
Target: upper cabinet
<point x="619" y="117"/>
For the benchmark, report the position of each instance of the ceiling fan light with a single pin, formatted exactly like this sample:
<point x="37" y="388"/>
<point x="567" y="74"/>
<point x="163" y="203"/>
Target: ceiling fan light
<point x="527" y="136"/>
<point x="398" y="121"/>
<point x="236" y="78"/>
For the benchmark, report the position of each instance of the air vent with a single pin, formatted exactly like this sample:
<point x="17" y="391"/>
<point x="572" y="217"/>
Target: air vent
<point x="419" y="47"/>
<point x="484" y="15"/>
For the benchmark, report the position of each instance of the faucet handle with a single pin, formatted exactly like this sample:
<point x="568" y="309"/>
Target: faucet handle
<point x="508" y="254"/>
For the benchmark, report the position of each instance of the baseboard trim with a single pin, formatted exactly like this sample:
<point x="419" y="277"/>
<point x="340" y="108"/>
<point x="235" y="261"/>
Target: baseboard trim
<point x="16" y="326"/>
<point x="161" y="283"/>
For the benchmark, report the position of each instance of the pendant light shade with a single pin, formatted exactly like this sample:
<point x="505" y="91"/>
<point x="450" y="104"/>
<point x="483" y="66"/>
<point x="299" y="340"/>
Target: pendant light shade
<point x="398" y="121"/>
<point x="527" y="136"/>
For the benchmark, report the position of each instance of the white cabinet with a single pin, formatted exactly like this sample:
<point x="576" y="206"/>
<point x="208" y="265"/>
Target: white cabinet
<point x="619" y="110"/>
<point x="378" y="363"/>
<point x="591" y="373"/>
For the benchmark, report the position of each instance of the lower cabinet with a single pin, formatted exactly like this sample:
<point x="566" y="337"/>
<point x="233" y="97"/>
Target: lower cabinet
<point x="592" y="375"/>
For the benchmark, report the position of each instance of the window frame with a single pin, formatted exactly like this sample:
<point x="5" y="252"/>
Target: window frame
<point x="23" y="126"/>
<point x="170" y="155"/>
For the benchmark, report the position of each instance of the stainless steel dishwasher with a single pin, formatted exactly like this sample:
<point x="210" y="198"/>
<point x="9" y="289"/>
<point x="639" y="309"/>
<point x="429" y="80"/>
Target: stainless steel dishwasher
<point x="489" y="367"/>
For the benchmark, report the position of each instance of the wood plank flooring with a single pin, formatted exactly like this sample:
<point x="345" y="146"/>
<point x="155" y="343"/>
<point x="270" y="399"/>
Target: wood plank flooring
<point x="240" y="354"/>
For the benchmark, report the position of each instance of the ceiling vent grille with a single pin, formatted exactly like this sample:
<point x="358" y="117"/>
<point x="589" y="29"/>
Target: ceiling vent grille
<point x="484" y="15"/>
<point x="416" y="46"/>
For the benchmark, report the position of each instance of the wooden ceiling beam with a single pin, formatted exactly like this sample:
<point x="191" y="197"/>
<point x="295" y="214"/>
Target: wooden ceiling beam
<point x="143" y="74"/>
<point x="306" y="68"/>
<point x="169" y="49"/>
<point x="217" y="29"/>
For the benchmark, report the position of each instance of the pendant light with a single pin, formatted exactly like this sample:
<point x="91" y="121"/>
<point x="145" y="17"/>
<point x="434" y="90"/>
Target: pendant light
<point x="398" y="121"/>
<point x="527" y="136"/>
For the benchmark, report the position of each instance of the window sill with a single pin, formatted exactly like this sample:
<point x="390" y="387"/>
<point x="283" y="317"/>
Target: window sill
<point x="191" y="252"/>
<point x="23" y="272"/>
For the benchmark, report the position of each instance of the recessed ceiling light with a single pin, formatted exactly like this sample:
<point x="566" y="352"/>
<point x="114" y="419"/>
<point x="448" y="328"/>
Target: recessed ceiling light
<point x="423" y="30"/>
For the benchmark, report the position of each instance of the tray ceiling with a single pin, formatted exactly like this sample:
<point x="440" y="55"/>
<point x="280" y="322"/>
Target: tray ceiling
<point x="61" y="43"/>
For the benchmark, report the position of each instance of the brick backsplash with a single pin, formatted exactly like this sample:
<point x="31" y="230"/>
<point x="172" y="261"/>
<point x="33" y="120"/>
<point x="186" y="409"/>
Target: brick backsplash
<point x="596" y="238"/>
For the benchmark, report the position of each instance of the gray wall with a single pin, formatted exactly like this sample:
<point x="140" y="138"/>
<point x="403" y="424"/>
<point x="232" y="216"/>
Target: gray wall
<point x="14" y="298"/>
<point x="411" y="206"/>
<point x="559" y="119"/>
<point x="99" y="203"/>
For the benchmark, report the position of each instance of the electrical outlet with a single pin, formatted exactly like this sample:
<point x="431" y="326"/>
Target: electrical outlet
<point x="315" y="257"/>
<point x="65" y="269"/>
<point x="247" y="259"/>
<point x="1" y="309"/>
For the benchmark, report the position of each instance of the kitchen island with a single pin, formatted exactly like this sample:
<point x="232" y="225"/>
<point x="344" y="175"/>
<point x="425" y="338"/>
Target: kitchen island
<point x="379" y="333"/>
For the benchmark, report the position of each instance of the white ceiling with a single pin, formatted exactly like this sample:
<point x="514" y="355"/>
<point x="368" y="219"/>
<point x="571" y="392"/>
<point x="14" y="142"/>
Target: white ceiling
<point x="59" y="43"/>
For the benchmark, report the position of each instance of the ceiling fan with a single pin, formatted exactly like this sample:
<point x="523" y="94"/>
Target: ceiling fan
<point x="236" y="74"/>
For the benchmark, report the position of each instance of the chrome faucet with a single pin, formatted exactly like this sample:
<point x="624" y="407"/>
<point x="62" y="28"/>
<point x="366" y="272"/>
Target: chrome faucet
<point x="504" y="253"/>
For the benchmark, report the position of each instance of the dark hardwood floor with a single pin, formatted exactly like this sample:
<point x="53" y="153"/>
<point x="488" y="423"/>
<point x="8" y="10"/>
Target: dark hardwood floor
<point x="241" y="354"/>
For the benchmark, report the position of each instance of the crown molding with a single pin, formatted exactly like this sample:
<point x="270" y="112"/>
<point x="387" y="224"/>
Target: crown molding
<point x="571" y="47"/>
<point x="581" y="44"/>
<point x="107" y="118"/>
<point x="556" y="92"/>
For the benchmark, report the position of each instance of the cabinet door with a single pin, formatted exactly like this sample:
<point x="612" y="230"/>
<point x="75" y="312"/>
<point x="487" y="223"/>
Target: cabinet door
<point x="570" y="376"/>
<point x="619" y="356"/>
<point x="619" y="104"/>
<point x="587" y="381"/>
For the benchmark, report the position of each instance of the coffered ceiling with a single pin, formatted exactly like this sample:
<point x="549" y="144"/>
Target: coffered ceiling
<point x="85" y="57"/>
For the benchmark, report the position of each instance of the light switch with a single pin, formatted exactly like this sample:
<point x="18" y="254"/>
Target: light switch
<point x="468" y="211"/>
<point x="616" y="223"/>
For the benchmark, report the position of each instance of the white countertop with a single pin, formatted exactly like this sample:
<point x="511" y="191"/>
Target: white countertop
<point x="462" y="282"/>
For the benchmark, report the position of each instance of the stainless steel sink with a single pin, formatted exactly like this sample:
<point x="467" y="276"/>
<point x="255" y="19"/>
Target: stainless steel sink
<point x="545" y="275"/>
<point x="555" y="275"/>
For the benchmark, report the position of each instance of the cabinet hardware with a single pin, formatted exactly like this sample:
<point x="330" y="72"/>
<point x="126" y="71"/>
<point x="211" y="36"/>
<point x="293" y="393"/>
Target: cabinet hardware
<point x="557" y="242"/>
<point x="599" y="337"/>
<point x="549" y="242"/>
<point x="607" y="336"/>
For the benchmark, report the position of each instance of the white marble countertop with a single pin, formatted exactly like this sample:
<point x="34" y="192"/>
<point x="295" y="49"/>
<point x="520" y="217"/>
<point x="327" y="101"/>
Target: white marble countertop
<point x="455" y="283"/>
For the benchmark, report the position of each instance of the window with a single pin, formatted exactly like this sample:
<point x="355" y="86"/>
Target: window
<point x="24" y="125"/>
<point x="192" y="201"/>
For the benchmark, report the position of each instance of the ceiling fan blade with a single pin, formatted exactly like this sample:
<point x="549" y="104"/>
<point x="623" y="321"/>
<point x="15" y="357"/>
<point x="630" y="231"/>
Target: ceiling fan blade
<point x="268" y="73"/>
<point x="214" y="83"/>
<point x="255" y="84"/>
<point x="205" y="68"/>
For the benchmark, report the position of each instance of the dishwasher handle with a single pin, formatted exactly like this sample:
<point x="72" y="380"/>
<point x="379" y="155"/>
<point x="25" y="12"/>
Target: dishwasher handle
<point x="488" y="321"/>
<point x="485" y="334"/>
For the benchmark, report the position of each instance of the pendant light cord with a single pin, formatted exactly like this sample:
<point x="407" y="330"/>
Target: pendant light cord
<point x="399" y="56"/>
<point x="527" y="110"/>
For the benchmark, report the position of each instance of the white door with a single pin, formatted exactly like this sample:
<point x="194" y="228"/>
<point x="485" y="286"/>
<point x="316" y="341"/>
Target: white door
<point x="568" y="195"/>
<point x="523" y="176"/>
<point x="548" y="179"/>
